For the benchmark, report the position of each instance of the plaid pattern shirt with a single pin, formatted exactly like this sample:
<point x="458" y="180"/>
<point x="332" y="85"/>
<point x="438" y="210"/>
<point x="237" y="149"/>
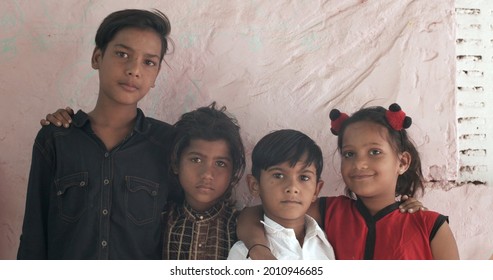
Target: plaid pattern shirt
<point x="193" y="235"/>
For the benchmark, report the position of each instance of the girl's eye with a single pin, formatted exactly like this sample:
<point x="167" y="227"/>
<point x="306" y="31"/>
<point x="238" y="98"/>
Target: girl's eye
<point x="304" y="178"/>
<point x="347" y="154"/>
<point x="375" y="152"/>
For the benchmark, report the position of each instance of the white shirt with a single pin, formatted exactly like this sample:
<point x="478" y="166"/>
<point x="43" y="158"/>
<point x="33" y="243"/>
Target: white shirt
<point x="284" y="245"/>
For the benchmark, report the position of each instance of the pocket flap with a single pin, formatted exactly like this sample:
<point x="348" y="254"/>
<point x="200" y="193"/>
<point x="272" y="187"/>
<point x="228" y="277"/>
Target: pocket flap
<point x="73" y="180"/>
<point x="135" y="184"/>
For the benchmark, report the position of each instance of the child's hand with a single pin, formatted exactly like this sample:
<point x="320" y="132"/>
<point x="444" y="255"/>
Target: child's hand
<point x="59" y="118"/>
<point x="411" y="205"/>
<point x="260" y="252"/>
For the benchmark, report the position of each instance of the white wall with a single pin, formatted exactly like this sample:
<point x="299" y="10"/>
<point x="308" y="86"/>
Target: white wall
<point x="274" y="64"/>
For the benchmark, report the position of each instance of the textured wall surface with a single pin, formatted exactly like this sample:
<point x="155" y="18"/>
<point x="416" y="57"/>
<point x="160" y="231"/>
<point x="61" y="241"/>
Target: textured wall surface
<point x="274" y="64"/>
<point x="474" y="54"/>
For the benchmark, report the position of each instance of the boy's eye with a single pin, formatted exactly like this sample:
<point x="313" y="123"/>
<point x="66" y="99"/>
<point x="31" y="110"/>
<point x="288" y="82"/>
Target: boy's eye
<point x="278" y="175"/>
<point x="304" y="178"/>
<point x="375" y="152"/>
<point x="122" y="54"/>
<point x="196" y="160"/>
<point x="347" y="154"/>
<point x="150" y="63"/>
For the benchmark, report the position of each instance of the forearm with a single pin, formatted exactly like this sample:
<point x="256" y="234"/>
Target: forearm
<point x="252" y="233"/>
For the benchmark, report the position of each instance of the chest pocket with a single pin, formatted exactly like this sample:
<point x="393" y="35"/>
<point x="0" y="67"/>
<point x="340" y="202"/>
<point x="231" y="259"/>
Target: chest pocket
<point x="71" y="192"/>
<point x="141" y="198"/>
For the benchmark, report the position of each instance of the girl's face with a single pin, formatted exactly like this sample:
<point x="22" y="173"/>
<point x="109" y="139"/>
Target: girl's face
<point x="369" y="165"/>
<point x="204" y="170"/>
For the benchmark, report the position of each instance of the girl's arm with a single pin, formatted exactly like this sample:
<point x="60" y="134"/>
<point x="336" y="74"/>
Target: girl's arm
<point x="252" y="233"/>
<point x="443" y="245"/>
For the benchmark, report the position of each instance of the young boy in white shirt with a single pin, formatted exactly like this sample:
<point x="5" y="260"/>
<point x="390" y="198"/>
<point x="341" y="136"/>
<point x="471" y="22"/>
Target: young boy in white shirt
<point x="286" y="169"/>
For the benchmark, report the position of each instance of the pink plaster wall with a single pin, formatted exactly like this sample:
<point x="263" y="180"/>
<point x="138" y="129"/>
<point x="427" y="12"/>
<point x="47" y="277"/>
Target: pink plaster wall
<point x="274" y="64"/>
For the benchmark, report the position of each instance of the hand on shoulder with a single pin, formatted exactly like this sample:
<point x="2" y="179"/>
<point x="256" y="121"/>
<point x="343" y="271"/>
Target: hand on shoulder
<point x="59" y="118"/>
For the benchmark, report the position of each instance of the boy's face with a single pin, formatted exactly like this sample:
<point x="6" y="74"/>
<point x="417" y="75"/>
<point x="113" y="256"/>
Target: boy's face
<point x="286" y="192"/>
<point x="204" y="171"/>
<point x="129" y="66"/>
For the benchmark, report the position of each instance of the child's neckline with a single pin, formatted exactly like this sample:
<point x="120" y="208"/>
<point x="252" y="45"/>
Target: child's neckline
<point x="380" y="214"/>
<point x="206" y="214"/>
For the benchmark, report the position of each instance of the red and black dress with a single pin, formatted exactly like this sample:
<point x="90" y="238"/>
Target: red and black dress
<point x="388" y="235"/>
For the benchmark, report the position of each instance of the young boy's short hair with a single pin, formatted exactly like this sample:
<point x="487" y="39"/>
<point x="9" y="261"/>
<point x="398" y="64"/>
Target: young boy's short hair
<point x="211" y="123"/>
<point x="133" y="18"/>
<point x="286" y="145"/>
<point x="290" y="160"/>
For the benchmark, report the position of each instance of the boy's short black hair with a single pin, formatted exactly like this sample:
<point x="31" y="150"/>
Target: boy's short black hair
<point x="154" y="20"/>
<point x="211" y="124"/>
<point x="286" y="145"/>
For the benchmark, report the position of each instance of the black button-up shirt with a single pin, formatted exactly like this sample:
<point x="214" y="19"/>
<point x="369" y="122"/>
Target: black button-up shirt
<point x="84" y="202"/>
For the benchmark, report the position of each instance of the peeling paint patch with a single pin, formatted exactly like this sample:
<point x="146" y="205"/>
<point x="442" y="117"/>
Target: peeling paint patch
<point x="467" y="119"/>
<point x="467" y="11"/>
<point x="471" y="58"/>
<point x="472" y="104"/>
<point x="472" y="73"/>
<point x="471" y="89"/>
<point x="473" y="152"/>
<point x="470" y="42"/>
<point x="437" y="173"/>
<point x="451" y="184"/>
<point x="477" y="136"/>
<point x="473" y="168"/>
<point x="469" y="26"/>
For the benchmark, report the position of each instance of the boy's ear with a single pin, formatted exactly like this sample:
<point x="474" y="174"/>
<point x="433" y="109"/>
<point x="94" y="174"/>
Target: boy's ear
<point x="404" y="162"/>
<point x="253" y="185"/>
<point x="96" y="58"/>
<point x="320" y="185"/>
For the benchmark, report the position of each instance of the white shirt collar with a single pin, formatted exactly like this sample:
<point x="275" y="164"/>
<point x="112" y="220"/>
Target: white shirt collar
<point x="311" y="228"/>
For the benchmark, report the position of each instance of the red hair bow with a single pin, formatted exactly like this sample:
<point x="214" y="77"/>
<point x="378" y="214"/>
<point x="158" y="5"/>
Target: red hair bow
<point x="396" y="118"/>
<point x="336" y="120"/>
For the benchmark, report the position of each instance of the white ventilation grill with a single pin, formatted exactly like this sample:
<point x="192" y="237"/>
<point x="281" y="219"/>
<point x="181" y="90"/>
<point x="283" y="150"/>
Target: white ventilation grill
<point x="474" y="54"/>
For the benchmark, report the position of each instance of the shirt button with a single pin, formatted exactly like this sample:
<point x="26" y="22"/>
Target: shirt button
<point x="104" y="243"/>
<point x="201" y="217"/>
<point x="105" y="212"/>
<point x="200" y="245"/>
<point x="106" y="181"/>
<point x="82" y="184"/>
<point x="106" y="154"/>
<point x="59" y="193"/>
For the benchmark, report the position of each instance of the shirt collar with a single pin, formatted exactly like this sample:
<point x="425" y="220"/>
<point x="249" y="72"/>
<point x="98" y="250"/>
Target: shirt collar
<point x="204" y="215"/>
<point x="311" y="227"/>
<point x="81" y="119"/>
